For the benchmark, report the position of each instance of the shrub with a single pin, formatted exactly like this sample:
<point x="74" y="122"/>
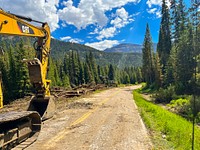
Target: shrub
<point x="165" y="95"/>
<point x="180" y="106"/>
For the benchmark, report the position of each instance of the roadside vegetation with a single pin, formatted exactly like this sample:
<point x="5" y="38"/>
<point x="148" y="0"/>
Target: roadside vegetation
<point x="172" y="73"/>
<point x="167" y="130"/>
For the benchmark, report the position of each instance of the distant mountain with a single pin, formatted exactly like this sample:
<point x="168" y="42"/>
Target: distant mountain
<point x="128" y="48"/>
<point x="60" y="48"/>
<point x="121" y="60"/>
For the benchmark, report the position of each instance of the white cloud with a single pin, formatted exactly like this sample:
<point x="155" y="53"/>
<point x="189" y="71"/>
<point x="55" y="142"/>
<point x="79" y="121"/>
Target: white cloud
<point x="157" y="2"/>
<point x="155" y="11"/>
<point x="136" y="14"/>
<point x="106" y="33"/>
<point x="158" y="14"/>
<point x="152" y="11"/>
<point x="70" y="39"/>
<point x="76" y="40"/>
<point x="65" y="38"/>
<point x="89" y="12"/>
<point x="154" y="2"/>
<point x="41" y="10"/>
<point x="121" y="18"/>
<point x="102" y="45"/>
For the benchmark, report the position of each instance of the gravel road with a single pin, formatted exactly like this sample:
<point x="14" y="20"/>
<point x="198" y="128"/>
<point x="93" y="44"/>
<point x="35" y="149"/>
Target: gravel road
<point x="108" y="120"/>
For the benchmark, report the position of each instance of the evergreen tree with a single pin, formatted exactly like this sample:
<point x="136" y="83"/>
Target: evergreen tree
<point x="81" y="72"/>
<point x="158" y="73"/>
<point x="89" y="65"/>
<point x="164" y="42"/>
<point x="88" y="74"/>
<point x="12" y="74"/>
<point x="171" y="68"/>
<point x="73" y="68"/>
<point x="185" y="62"/>
<point x="51" y="72"/>
<point x="183" y="14"/>
<point x="93" y="67"/>
<point x="178" y="19"/>
<point x="5" y="78"/>
<point x="126" y="78"/>
<point x="23" y="82"/>
<point x="111" y="73"/>
<point x="147" y="59"/>
<point x="65" y="81"/>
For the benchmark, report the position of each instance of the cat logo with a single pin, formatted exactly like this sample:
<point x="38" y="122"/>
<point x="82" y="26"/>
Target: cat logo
<point x="25" y="29"/>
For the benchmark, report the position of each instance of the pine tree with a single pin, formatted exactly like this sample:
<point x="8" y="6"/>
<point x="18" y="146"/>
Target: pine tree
<point x="73" y="68"/>
<point x="183" y="15"/>
<point x="65" y="81"/>
<point x="81" y="72"/>
<point x="88" y="74"/>
<point x="51" y="72"/>
<point x="93" y="67"/>
<point x="185" y="61"/>
<point x="22" y="79"/>
<point x="111" y="73"/>
<point x="158" y="73"/>
<point x="164" y="42"/>
<point x="12" y="74"/>
<point x="126" y="78"/>
<point x="178" y="19"/>
<point x="5" y="78"/>
<point x="147" y="59"/>
<point x="171" y="68"/>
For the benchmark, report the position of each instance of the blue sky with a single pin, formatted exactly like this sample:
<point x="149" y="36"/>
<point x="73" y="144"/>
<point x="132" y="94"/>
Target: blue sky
<point x="97" y="23"/>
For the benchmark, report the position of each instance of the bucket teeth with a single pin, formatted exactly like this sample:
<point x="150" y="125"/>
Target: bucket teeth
<point x="34" y="61"/>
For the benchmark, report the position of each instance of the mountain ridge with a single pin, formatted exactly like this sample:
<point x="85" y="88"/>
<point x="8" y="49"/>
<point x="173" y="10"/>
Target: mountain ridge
<point x="60" y="48"/>
<point x="128" y="48"/>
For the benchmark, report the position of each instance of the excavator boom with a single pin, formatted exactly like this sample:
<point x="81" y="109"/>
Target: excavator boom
<point x="42" y="105"/>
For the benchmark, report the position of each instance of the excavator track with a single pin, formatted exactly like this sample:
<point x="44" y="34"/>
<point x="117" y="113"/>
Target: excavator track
<point x="18" y="127"/>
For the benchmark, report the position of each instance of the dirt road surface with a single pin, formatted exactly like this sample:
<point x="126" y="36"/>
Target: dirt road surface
<point x="108" y="120"/>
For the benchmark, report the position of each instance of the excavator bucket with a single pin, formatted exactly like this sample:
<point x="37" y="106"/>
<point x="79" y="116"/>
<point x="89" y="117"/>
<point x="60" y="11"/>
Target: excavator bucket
<point x="16" y="127"/>
<point x="44" y="106"/>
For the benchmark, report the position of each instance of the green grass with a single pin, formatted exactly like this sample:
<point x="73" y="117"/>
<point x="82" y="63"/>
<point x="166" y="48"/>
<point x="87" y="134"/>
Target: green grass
<point x="168" y="130"/>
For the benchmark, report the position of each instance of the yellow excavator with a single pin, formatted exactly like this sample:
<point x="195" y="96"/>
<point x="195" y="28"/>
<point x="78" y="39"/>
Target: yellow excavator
<point x="16" y="127"/>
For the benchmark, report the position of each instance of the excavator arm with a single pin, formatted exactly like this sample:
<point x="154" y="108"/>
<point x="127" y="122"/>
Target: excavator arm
<point x="16" y="127"/>
<point x="15" y="25"/>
